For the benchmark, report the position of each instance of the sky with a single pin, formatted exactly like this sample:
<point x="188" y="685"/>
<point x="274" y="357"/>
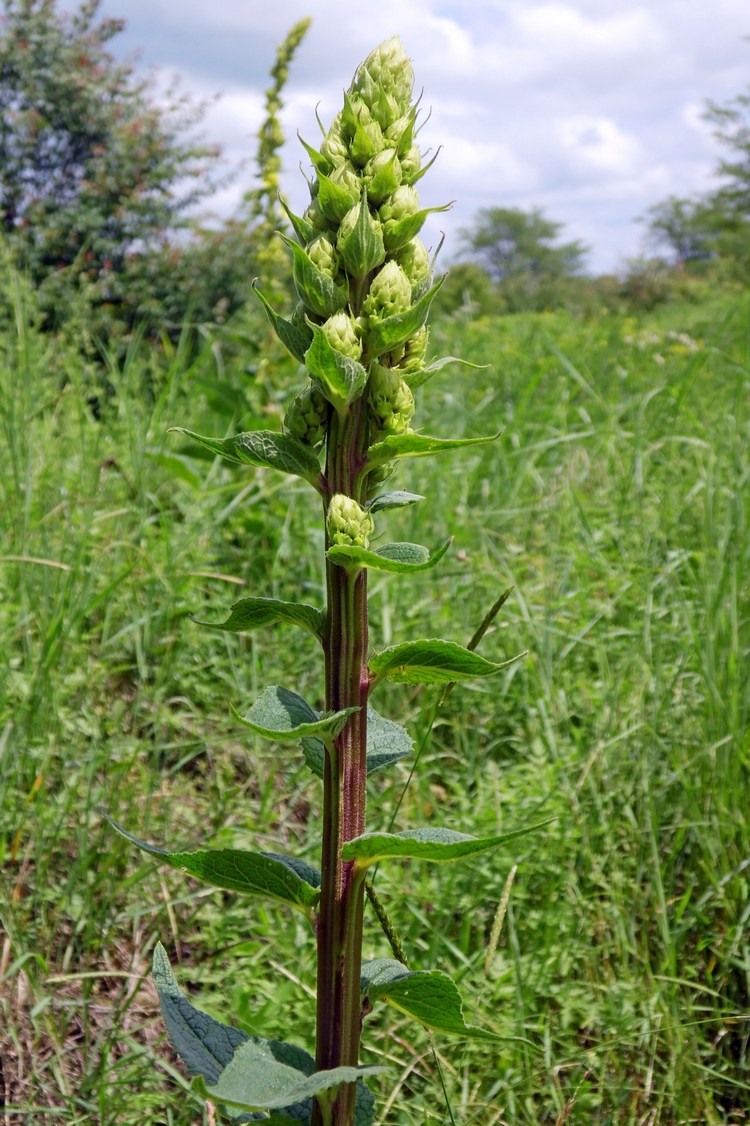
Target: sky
<point x="589" y="109"/>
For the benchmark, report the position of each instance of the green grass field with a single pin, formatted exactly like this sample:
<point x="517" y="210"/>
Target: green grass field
<point x="616" y="504"/>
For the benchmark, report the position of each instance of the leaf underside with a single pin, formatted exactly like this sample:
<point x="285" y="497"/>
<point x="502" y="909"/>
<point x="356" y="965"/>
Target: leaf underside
<point x="284" y="878"/>
<point x="252" y="613"/>
<point x="225" y="1062"/>
<point x="264" y="449"/>
<point x="286" y="717"/>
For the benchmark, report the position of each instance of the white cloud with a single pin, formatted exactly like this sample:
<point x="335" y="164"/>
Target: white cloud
<point x="588" y="108"/>
<point x="560" y="28"/>
<point x="599" y="145"/>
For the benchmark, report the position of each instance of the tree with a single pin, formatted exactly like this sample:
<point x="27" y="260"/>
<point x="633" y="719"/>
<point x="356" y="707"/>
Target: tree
<point x="686" y="228"/>
<point x="93" y="175"/>
<point x="511" y="243"/>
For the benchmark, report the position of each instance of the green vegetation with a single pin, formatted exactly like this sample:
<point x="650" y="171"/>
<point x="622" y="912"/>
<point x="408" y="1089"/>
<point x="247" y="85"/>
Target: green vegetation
<point x="618" y="510"/>
<point x="608" y="531"/>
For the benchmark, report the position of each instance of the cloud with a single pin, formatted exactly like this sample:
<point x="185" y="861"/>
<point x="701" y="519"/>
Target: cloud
<point x="598" y="146"/>
<point x="588" y="108"/>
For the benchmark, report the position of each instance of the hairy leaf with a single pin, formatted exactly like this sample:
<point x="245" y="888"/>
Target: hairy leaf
<point x="432" y="661"/>
<point x="251" y="613"/>
<point x="341" y="378"/>
<point x="263" y="1075"/>
<point x="388" y="333"/>
<point x="334" y="201"/>
<point x="284" y="878"/>
<point x="398" y="558"/>
<point x="296" y="340"/>
<point x="387" y="742"/>
<point x="437" y="845"/>
<point x="286" y="716"/>
<point x="362" y="249"/>
<point x="318" y="290"/>
<point x="397" y="499"/>
<point x="203" y="1044"/>
<point x="265" y="449"/>
<point x="418" y="378"/>
<point x="398" y="234"/>
<point x="429" y="996"/>
<point x="303" y="229"/>
<point x="419" y="445"/>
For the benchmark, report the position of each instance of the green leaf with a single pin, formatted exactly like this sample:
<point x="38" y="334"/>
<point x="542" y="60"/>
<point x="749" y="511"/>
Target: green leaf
<point x="427" y="995"/>
<point x="285" y="716"/>
<point x="397" y="558"/>
<point x="264" y="1075"/>
<point x="203" y="1044"/>
<point x="432" y="661"/>
<point x="295" y="340"/>
<point x="318" y="290"/>
<point x="419" y="445"/>
<point x="320" y="163"/>
<point x="284" y="878"/>
<point x="387" y="334"/>
<point x="418" y="378"/>
<point x="333" y="200"/>
<point x="252" y="613"/>
<point x="265" y="449"/>
<point x="362" y="249"/>
<point x="387" y="742"/>
<point x="342" y="378"/>
<point x="436" y="845"/>
<point x="398" y="234"/>
<point x="303" y="229"/>
<point x="397" y="499"/>
<point x="209" y="1051"/>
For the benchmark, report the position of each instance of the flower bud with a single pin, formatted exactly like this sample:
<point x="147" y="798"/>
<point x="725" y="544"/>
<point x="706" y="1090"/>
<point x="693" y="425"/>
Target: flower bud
<point x="342" y="333"/>
<point x="402" y="205"/>
<point x="414" y="260"/>
<point x="299" y="316"/>
<point x="347" y="523"/>
<point x="334" y="147"/>
<point x="315" y="217"/>
<point x="391" y="403"/>
<point x="415" y="350"/>
<point x="382" y="175"/>
<point x="307" y="417"/>
<point x="360" y="242"/>
<point x="390" y="293"/>
<point x="400" y="133"/>
<point x="411" y="162"/>
<point x="322" y="253"/>
<point x="345" y="177"/>
<point x="366" y="143"/>
<point x="389" y="68"/>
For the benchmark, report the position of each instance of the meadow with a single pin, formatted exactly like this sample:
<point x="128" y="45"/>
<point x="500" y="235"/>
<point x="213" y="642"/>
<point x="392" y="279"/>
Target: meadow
<point x="616" y="504"/>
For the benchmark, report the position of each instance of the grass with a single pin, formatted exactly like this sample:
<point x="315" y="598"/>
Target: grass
<point x="616" y="505"/>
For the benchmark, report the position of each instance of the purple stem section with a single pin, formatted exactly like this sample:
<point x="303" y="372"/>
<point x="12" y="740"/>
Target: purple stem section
<point x="339" y="930"/>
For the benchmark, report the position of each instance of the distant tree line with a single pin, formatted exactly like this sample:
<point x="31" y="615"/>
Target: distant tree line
<point x="99" y="185"/>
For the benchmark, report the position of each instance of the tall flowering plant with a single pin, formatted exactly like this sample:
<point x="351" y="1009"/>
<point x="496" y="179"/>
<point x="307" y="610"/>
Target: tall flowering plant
<point x="364" y="282"/>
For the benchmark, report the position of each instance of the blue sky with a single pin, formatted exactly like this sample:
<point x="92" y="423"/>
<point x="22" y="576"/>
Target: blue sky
<point x="589" y="109"/>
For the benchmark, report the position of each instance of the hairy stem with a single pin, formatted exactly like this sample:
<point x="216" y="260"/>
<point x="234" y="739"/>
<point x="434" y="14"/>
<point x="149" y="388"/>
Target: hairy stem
<point x="344" y="791"/>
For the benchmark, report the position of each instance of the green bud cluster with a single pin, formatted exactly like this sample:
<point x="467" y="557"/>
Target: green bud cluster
<point x="347" y="523"/>
<point x="360" y="269"/>
<point x="306" y="417"/>
<point x="391" y="403"/>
